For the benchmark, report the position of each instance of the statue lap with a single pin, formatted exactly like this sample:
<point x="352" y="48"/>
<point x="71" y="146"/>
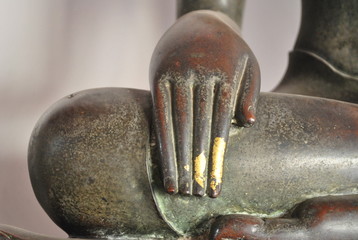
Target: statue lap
<point x="94" y="168"/>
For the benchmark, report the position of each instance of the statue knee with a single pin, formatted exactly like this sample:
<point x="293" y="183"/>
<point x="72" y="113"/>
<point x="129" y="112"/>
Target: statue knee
<point x="87" y="161"/>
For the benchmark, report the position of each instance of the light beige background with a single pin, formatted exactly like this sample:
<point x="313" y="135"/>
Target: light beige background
<point x="49" y="49"/>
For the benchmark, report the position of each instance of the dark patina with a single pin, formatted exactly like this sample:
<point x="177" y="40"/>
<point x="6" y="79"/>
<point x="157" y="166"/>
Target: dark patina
<point x="102" y="161"/>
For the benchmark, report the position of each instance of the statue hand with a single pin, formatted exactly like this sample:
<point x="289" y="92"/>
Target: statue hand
<point x="203" y="78"/>
<point x="330" y="217"/>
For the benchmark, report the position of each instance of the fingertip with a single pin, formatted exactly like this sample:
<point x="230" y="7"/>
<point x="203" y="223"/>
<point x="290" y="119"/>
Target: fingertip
<point x="246" y="118"/>
<point x="170" y="187"/>
<point x="250" y="122"/>
<point x="185" y="190"/>
<point x="215" y="192"/>
<point x="249" y="115"/>
<point x="216" y="175"/>
<point x="198" y="190"/>
<point x="171" y="190"/>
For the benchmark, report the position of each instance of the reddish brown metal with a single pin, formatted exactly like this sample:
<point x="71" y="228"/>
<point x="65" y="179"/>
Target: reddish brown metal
<point x="202" y="76"/>
<point x="329" y="218"/>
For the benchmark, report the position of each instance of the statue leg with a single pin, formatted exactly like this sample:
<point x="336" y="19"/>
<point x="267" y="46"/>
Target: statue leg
<point x="90" y="155"/>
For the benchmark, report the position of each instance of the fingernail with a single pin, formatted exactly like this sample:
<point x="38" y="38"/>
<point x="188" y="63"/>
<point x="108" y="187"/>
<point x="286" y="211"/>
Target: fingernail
<point x="198" y="190"/>
<point x="250" y="122"/>
<point x="170" y="187"/>
<point x="184" y="189"/>
<point x="215" y="191"/>
<point x="249" y="117"/>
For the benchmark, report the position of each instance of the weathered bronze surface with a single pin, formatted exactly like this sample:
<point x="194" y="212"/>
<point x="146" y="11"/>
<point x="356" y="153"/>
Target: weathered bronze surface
<point x="329" y="218"/>
<point x="87" y="160"/>
<point x="90" y="153"/>
<point x="202" y="76"/>
<point x="324" y="61"/>
<point x="98" y="168"/>
<point x="281" y="161"/>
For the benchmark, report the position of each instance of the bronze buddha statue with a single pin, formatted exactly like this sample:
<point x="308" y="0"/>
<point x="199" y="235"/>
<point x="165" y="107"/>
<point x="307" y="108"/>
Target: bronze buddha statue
<point x="99" y="158"/>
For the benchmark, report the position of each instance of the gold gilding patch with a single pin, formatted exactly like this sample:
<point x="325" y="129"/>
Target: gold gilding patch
<point x="213" y="185"/>
<point x="218" y="161"/>
<point x="199" y="170"/>
<point x="187" y="168"/>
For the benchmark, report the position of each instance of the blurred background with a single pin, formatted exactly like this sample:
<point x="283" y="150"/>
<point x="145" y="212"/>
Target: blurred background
<point x="49" y="49"/>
